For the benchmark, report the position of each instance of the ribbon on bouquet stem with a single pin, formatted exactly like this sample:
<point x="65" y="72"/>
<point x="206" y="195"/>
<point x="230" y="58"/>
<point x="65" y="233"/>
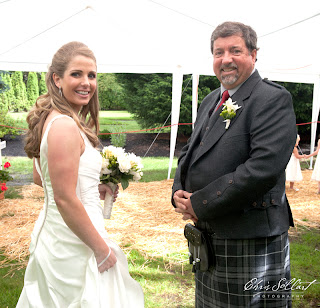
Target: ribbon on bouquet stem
<point x="108" y="202"/>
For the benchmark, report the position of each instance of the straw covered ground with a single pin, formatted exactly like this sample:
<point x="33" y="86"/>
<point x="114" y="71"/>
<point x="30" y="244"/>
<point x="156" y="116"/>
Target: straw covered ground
<point x="142" y="218"/>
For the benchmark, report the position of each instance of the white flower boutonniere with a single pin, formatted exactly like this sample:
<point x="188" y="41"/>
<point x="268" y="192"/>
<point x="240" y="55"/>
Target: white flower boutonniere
<point x="229" y="111"/>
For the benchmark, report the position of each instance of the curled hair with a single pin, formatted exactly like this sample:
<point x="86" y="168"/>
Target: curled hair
<point x="230" y="28"/>
<point x="87" y="119"/>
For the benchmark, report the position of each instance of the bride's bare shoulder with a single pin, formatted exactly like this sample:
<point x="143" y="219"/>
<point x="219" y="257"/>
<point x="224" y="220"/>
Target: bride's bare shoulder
<point x="63" y="127"/>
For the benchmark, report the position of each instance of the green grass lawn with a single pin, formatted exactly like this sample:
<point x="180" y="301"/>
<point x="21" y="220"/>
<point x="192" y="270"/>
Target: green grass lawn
<point x="305" y="267"/>
<point x="21" y="170"/>
<point x="107" y="119"/>
<point x="167" y="284"/>
<point x="156" y="168"/>
<point x="10" y="285"/>
<point x="165" y="281"/>
<point x="123" y="121"/>
<point x="116" y="114"/>
<point x="113" y="114"/>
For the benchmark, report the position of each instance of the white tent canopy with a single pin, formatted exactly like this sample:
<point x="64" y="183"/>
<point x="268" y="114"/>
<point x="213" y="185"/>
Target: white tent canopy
<point x="163" y="36"/>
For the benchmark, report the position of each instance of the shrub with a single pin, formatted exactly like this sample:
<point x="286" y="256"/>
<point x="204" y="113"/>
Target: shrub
<point x="20" y="92"/>
<point x="104" y="137"/>
<point x="6" y="120"/>
<point x="4" y="105"/>
<point x="32" y="88"/>
<point x="111" y="95"/>
<point x="118" y="140"/>
<point x="42" y="84"/>
<point x="7" y="97"/>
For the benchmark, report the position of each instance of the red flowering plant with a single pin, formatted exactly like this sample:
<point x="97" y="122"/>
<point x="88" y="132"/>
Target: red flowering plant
<point x="5" y="176"/>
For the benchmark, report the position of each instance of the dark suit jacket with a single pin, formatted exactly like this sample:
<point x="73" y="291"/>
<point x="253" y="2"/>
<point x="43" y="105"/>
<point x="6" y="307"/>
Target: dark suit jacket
<point x="238" y="175"/>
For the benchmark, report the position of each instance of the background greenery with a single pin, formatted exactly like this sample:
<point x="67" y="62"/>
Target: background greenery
<point x="146" y="96"/>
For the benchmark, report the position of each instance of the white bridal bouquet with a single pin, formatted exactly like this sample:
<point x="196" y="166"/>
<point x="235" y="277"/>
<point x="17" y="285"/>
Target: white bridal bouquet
<point x="118" y="167"/>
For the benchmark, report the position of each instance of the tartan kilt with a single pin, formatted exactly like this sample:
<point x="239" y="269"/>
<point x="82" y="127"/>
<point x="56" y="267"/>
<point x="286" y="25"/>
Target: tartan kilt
<point x="247" y="273"/>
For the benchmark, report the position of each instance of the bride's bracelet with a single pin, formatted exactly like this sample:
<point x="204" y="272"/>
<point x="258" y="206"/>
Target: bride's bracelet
<point x="106" y="258"/>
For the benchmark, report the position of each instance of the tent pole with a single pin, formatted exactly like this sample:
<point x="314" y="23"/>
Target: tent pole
<point x="315" y="115"/>
<point x="195" y="84"/>
<point x="177" y="79"/>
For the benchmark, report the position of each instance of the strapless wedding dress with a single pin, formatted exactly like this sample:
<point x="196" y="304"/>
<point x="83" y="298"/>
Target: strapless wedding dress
<point x="62" y="271"/>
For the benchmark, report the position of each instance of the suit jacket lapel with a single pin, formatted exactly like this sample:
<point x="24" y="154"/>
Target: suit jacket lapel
<point x="217" y="126"/>
<point x="201" y="122"/>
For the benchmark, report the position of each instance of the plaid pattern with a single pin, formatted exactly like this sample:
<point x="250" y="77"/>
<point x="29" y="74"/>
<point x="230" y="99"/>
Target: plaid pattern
<point x="245" y="273"/>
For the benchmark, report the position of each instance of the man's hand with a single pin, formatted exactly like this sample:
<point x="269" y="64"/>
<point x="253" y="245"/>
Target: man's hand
<point x="183" y="205"/>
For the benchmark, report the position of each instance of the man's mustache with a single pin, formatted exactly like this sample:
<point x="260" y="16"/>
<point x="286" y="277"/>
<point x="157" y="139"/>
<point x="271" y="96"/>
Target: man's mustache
<point x="228" y="66"/>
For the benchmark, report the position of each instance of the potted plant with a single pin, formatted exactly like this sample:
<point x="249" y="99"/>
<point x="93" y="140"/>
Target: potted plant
<point x="4" y="178"/>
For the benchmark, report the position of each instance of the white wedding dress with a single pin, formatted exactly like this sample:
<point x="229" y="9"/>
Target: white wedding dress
<point x="62" y="271"/>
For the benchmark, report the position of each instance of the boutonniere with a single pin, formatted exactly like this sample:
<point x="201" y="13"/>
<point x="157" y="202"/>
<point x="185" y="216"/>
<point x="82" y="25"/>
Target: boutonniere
<point x="229" y="111"/>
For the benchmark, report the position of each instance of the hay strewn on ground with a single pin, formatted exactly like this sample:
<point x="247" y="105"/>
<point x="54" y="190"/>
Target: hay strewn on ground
<point x="142" y="218"/>
<point x="305" y="204"/>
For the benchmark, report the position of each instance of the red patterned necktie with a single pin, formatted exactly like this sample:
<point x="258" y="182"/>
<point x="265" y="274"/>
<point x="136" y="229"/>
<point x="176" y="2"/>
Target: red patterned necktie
<point x="225" y="96"/>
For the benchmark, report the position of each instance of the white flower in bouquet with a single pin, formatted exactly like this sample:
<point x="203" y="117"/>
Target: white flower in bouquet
<point x="112" y="151"/>
<point x="118" y="167"/>
<point x="124" y="163"/>
<point x="104" y="167"/>
<point x="137" y="176"/>
<point x="136" y="167"/>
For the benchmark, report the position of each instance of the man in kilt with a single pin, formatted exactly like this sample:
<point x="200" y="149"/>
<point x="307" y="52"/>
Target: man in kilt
<point x="230" y="180"/>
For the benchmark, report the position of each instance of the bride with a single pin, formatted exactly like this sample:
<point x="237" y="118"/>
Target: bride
<point x="72" y="261"/>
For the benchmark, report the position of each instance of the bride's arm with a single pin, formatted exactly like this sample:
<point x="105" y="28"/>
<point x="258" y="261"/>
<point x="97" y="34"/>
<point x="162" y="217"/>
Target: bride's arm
<point x="36" y="176"/>
<point x="64" y="150"/>
<point x="105" y="189"/>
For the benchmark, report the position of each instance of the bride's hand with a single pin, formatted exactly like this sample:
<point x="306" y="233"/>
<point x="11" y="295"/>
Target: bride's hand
<point x="106" y="261"/>
<point x="105" y="189"/>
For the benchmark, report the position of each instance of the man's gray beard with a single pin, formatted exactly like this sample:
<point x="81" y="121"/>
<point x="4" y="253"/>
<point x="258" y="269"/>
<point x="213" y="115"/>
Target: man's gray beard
<point x="229" y="80"/>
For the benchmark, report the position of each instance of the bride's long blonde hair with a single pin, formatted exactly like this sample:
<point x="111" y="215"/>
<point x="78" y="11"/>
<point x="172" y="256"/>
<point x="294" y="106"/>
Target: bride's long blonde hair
<point x="87" y="119"/>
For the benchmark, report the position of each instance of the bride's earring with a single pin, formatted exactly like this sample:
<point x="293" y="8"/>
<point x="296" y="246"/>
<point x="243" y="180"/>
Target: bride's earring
<point x="60" y="91"/>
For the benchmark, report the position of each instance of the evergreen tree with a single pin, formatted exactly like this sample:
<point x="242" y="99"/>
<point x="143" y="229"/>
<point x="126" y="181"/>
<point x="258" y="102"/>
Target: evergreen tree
<point x="32" y="88"/>
<point x="5" y="120"/>
<point x="302" y="97"/>
<point x="20" y="93"/>
<point x="111" y="93"/>
<point x="10" y="92"/>
<point x="149" y="98"/>
<point x="3" y="88"/>
<point x="42" y="84"/>
<point x="3" y="102"/>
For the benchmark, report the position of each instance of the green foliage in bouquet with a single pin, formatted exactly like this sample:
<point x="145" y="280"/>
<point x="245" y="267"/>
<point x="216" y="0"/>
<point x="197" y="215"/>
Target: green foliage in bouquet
<point x="119" y="166"/>
<point x="228" y="114"/>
